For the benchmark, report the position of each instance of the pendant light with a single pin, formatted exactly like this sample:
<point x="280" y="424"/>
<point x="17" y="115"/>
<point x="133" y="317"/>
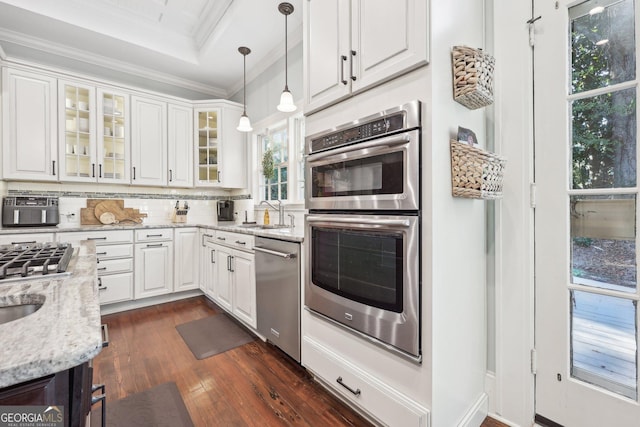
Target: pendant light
<point x="286" y="99"/>
<point x="244" y="125"/>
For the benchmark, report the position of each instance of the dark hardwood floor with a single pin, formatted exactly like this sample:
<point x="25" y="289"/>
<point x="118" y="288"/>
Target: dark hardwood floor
<point x="252" y="385"/>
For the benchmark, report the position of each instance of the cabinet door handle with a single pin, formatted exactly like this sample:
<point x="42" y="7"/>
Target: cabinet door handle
<point x="134" y="172"/>
<point x="93" y="170"/>
<point x="53" y="163"/>
<point x="353" y="53"/>
<point x="356" y="392"/>
<point x="213" y="258"/>
<point x="218" y="176"/>
<point x="205" y="235"/>
<point x="100" y="170"/>
<point x="170" y="175"/>
<point x="231" y="263"/>
<point x="343" y="59"/>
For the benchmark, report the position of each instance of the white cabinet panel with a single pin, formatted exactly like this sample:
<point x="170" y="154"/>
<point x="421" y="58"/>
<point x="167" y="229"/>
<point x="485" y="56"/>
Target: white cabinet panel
<point x="180" y="155"/>
<point x="186" y="245"/>
<point x="153" y="269"/>
<point x="29" y="148"/>
<point x="148" y="141"/>
<point x="115" y="288"/>
<point x="106" y="237"/>
<point x="111" y="266"/>
<point x="224" y="277"/>
<point x="24" y="238"/>
<point x="362" y="389"/>
<point x="244" y="287"/>
<point x="154" y="234"/>
<point x="352" y="45"/>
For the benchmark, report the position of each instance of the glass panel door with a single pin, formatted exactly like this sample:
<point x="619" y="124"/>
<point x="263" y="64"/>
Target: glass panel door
<point x="207" y="146"/>
<point x="113" y="131"/>
<point x="77" y="133"/>
<point x="586" y="213"/>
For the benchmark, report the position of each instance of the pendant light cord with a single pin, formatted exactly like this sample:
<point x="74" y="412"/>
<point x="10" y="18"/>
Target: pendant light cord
<point x="286" y="53"/>
<point x="244" y="85"/>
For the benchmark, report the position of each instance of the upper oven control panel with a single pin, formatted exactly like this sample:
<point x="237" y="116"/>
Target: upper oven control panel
<point x="397" y="119"/>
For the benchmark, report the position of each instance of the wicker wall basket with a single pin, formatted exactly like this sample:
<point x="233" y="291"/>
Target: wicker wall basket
<point x="475" y="173"/>
<point x="472" y="77"/>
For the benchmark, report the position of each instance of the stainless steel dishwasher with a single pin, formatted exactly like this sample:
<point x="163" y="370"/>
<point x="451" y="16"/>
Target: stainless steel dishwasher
<point x="278" y="293"/>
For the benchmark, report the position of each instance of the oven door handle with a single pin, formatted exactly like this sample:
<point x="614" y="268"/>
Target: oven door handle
<point x="401" y="223"/>
<point x="390" y="141"/>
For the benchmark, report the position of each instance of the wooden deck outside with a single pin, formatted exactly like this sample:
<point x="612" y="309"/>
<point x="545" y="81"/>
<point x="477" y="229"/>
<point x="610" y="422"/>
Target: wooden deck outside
<point x="604" y="342"/>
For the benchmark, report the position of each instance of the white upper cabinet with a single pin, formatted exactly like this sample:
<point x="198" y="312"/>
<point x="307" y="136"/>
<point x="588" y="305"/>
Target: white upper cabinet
<point x="29" y="149"/>
<point x="113" y="135"/>
<point x="180" y="155"/>
<point x="148" y="141"/>
<point x="219" y="148"/>
<point x="352" y="45"/>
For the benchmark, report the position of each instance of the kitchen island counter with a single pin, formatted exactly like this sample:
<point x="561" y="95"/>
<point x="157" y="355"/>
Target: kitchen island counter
<point x="65" y="332"/>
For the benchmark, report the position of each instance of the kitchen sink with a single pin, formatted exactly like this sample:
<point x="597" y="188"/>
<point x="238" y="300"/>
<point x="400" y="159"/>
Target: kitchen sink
<point x="10" y="313"/>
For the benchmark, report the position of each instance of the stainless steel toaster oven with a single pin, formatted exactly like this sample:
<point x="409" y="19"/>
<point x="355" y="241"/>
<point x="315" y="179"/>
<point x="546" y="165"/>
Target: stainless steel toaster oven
<point x="25" y="211"/>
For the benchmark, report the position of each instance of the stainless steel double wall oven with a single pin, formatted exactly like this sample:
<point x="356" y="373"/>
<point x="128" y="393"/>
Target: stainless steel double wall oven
<point x="363" y="227"/>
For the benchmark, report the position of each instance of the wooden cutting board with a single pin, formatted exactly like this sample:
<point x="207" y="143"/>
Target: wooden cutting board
<point x="115" y="208"/>
<point x="91" y="203"/>
<point x="88" y="217"/>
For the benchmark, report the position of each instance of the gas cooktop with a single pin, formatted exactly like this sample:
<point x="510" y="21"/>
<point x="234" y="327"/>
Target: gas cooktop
<point x="34" y="261"/>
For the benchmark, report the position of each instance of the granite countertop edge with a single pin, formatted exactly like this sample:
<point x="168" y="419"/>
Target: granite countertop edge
<point x="289" y="234"/>
<point x="65" y="332"/>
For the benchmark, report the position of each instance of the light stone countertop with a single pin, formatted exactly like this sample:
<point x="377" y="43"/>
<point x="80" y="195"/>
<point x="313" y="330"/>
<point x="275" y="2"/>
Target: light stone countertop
<point x="63" y="333"/>
<point x="289" y="234"/>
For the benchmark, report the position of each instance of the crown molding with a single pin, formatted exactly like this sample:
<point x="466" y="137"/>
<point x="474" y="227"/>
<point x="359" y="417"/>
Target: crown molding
<point x="118" y="66"/>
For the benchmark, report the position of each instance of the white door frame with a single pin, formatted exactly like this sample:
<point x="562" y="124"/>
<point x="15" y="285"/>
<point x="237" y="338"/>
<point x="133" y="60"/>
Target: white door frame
<point x="512" y="396"/>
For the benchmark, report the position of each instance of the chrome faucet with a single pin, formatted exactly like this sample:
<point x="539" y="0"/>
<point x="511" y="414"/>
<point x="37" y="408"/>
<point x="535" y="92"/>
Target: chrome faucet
<point x="280" y="209"/>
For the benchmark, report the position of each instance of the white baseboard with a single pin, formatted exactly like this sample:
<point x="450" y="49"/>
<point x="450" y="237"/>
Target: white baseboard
<point x="146" y="302"/>
<point x="477" y="413"/>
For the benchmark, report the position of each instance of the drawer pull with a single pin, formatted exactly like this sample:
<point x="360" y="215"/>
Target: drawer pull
<point x="239" y="242"/>
<point x="221" y="238"/>
<point x="354" y="392"/>
<point x="101" y="253"/>
<point x="157" y="245"/>
<point x="102" y="288"/>
<point x="96" y="238"/>
<point x="102" y="268"/>
<point x="23" y="243"/>
<point x="154" y="235"/>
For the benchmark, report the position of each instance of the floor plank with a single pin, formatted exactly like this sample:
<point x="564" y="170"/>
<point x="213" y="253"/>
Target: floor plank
<point x="252" y="385"/>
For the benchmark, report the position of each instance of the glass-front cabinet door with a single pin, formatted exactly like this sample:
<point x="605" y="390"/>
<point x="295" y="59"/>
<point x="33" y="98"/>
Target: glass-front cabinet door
<point x="207" y="146"/>
<point x="77" y="111"/>
<point x="113" y="137"/>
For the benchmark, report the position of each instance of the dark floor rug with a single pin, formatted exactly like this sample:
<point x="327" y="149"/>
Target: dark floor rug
<point x="212" y="335"/>
<point x="160" y="406"/>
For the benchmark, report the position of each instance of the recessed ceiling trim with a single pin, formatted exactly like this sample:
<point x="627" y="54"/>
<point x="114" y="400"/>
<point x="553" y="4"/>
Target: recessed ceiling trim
<point x="108" y="63"/>
<point x="211" y="17"/>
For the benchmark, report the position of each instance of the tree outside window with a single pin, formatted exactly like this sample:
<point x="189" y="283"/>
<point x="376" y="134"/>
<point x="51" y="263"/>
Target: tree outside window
<point x="276" y="144"/>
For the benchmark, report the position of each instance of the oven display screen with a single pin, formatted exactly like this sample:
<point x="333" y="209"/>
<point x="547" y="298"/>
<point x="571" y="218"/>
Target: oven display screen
<point x="363" y="266"/>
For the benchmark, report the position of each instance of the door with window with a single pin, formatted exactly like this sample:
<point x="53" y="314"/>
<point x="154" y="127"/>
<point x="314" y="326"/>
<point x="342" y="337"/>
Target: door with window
<point x="586" y="314"/>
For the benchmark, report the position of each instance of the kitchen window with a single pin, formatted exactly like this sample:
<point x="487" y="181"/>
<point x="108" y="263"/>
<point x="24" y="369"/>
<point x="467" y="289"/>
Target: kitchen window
<point x="285" y="140"/>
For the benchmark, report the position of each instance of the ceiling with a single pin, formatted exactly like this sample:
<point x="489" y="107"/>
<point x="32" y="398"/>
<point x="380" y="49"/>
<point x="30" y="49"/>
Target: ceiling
<point x="190" y="45"/>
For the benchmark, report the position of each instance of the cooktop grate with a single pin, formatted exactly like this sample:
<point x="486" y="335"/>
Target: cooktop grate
<point x="38" y="259"/>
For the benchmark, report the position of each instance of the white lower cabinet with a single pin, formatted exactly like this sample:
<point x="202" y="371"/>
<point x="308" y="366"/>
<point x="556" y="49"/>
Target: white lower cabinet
<point x="362" y="389"/>
<point x="232" y="267"/>
<point x="153" y="269"/>
<point x="114" y="253"/>
<point x="186" y="246"/>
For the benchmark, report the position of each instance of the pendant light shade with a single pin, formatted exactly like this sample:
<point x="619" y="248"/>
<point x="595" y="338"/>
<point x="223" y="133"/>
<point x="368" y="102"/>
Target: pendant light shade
<point x="286" y="99"/>
<point x="244" y="125"/>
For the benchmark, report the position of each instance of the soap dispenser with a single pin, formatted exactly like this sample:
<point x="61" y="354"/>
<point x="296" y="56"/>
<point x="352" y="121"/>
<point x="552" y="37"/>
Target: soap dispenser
<point x="266" y="217"/>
